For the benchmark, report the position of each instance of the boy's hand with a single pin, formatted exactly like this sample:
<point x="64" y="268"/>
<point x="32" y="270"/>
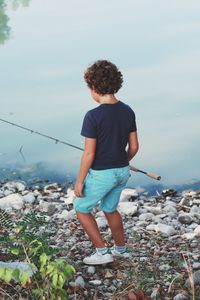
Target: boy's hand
<point x="78" y="189"/>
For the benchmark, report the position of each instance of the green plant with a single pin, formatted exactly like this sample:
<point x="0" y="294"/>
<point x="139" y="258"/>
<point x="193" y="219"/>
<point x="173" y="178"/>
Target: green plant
<point x="24" y="240"/>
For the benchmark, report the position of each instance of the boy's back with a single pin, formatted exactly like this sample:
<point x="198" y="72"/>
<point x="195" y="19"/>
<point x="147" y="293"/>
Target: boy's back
<point x="110" y="125"/>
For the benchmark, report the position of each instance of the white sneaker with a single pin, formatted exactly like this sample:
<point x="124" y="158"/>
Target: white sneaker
<point x="125" y="254"/>
<point x="98" y="259"/>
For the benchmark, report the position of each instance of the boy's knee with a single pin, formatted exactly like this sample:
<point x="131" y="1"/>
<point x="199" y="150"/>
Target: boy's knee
<point x="80" y="206"/>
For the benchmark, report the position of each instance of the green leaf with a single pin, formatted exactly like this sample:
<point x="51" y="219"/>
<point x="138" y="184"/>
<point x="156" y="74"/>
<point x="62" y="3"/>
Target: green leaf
<point x="61" y="281"/>
<point x="43" y="259"/>
<point x="2" y="271"/>
<point x="15" y="274"/>
<point x="55" y="279"/>
<point x="8" y="275"/>
<point x="69" y="270"/>
<point x="15" y="250"/>
<point x="50" y="269"/>
<point x="23" y="277"/>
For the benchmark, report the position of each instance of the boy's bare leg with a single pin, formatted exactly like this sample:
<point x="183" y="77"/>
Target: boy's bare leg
<point x="89" y="224"/>
<point x="115" y="222"/>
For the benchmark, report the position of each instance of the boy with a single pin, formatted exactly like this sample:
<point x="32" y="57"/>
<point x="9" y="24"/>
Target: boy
<point x="104" y="169"/>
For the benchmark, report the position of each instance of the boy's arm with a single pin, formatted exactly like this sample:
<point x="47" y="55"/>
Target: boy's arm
<point x="86" y="162"/>
<point x="133" y="145"/>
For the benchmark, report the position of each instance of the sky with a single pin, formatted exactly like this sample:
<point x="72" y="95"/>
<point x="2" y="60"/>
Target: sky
<point x="156" y="46"/>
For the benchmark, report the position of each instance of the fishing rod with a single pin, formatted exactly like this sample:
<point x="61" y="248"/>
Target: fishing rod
<point x="151" y="175"/>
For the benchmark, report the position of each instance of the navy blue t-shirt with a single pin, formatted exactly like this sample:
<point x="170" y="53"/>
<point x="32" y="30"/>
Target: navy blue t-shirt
<point x="110" y="125"/>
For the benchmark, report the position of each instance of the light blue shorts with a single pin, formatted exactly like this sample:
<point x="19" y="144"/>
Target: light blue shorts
<point x="102" y="187"/>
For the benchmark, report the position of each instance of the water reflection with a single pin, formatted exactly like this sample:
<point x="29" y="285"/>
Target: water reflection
<point x="5" y="29"/>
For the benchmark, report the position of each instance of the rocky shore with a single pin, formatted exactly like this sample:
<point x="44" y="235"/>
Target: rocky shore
<point x="162" y="231"/>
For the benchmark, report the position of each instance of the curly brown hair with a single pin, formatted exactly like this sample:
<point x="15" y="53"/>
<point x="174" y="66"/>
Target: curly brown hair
<point x="104" y="77"/>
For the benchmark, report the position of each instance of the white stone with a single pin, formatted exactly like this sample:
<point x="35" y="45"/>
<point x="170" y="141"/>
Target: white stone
<point x="196" y="231"/>
<point x="146" y="217"/>
<point x="67" y="215"/>
<point x="29" y="198"/>
<point x="101" y="222"/>
<point x="91" y="270"/>
<point x="14" y="186"/>
<point x="13" y="201"/>
<point x="154" y="210"/>
<point x="95" y="282"/>
<point x="166" y="230"/>
<point x="126" y="194"/>
<point x="188" y="236"/>
<point x="70" y="196"/>
<point x="128" y="208"/>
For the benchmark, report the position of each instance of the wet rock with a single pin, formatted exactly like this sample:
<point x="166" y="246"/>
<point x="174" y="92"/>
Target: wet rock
<point x="14" y="186"/>
<point x="50" y="188"/>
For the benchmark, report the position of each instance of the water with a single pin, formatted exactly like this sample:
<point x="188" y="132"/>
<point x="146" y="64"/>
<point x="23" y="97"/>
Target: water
<point x="46" y="46"/>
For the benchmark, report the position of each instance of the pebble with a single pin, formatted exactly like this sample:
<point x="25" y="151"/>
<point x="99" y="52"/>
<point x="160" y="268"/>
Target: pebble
<point x="80" y="282"/>
<point x="95" y="282"/>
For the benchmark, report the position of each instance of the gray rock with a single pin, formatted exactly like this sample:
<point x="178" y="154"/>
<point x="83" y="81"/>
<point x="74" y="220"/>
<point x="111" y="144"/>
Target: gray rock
<point x="170" y="209"/>
<point x="185" y="218"/>
<point x="195" y="209"/>
<point x="29" y="198"/>
<point x="181" y="297"/>
<point x="196" y="276"/>
<point x="146" y="217"/>
<point x="101" y="222"/>
<point x="91" y="270"/>
<point x="95" y="282"/>
<point x="164" y="229"/>
<point x="196" y="265"/>
<point x="67" y="215"/>
<point x="80" y="282"/>
<point x="51" y="209"/>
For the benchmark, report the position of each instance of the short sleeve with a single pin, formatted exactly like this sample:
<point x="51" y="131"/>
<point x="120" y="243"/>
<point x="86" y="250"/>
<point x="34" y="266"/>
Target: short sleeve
<point x="133" y="126"/>
<point x="89" y="127"/>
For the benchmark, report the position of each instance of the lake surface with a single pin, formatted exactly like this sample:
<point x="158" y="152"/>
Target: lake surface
<point x="45" y="48"/>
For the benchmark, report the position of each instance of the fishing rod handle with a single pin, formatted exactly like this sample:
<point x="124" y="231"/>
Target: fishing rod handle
<point x="151" y="175"/>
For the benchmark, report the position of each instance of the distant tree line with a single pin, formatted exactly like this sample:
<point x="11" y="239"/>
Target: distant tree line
<point x="5" y="29"/>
